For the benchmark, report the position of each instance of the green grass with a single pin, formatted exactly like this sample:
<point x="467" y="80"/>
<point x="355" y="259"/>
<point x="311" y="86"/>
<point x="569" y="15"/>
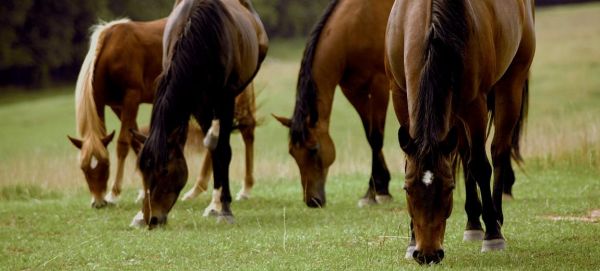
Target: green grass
<point x="46" y="222"/>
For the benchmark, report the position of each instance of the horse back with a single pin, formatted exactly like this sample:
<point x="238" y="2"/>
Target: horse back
<point x="130" y="60"/>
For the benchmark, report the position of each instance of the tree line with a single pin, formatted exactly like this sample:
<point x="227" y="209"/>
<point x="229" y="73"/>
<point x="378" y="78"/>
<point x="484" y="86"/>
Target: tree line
<point x="44" y="41"/>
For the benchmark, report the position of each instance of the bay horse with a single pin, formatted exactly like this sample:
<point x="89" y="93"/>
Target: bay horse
<point x="119" y="71"/>
<point x="457" y="66"/>
<point x="212" y="50"/>
<point x="346" y="48"/>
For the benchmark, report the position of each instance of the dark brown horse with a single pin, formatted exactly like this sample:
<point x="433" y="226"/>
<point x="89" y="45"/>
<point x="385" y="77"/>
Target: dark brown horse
<point x="120" y="70"/>
<point x="346" y="48"/>
<point x="212" y="51"/>
<point x="451" y="62"/>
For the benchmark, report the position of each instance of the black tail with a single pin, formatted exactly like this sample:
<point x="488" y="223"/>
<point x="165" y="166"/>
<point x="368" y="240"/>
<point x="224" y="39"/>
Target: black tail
<point x="441" y="73"/>
<point x="197" y="68"/>
<point x="306" y="90"/>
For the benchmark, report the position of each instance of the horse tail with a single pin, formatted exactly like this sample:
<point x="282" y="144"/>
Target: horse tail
<point x="442" y="71"/>
<point x="518" y="132"/>
<point x="85" y="105"/>
<point x="306" y="89"/>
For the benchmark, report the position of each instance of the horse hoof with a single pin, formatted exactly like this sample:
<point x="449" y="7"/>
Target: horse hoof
<point x="364" y="202"/>
<point x="111" y="198"/>
<point x="493" y="245"/>
<point x="242" y="196"/>
<point x="473" y="235"/>
<point x="410" y="250"/>
<point x="138" y="221"/>
<point x="225" y="219"/>
<point x="190" y="195"/>
<point x="507" y="197"/>
<point x="99" y="204"/>
<point x="383" y="199"/>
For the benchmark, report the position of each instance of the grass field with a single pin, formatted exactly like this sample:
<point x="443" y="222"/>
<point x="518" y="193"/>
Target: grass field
<point x="46" y="222"/>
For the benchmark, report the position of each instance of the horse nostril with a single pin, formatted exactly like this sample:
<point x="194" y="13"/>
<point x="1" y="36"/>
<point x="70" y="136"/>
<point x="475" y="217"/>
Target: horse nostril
<point x="153" y="221"/>
<point x="440" y="254"/>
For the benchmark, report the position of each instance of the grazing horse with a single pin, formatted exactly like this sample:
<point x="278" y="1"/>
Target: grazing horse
<point x="212" y="51"/>
<point x="450" y="63"/>
<point x="346" y="48"/>
<point x="119" y="71"/>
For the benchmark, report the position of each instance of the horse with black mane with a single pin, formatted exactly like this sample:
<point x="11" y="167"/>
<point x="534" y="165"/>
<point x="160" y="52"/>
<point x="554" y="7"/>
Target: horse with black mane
<point x="346" y="47"/>
<point x="120" y="70"/>
<point x="450" y="63"/>
<point x="212" y="50"/>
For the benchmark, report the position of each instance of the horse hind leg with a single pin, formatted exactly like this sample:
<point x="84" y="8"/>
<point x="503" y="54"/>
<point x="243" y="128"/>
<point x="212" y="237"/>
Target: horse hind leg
<point x="248" y="137"/>
<point x="371" y="104"/>
<point x="201" y="184"/>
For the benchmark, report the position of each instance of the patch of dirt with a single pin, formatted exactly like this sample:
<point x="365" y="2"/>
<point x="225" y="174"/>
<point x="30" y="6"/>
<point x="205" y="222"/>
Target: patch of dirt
<point x="592" y="217"/>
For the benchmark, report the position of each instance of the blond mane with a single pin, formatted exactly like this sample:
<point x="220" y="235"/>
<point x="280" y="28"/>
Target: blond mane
<point x="89" y="125"/>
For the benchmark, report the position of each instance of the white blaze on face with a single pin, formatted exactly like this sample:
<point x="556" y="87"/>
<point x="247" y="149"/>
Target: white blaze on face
<point x="428" y="178"/>
<point x="93" y="162"/>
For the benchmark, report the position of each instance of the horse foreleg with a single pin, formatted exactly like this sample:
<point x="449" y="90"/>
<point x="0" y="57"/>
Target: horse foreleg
<point x="248" y="136"/>
<point x="201" y="184"/>
<point x="128" y="121"/>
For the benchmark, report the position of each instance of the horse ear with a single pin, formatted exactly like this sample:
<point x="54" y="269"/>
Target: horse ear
<point x="108" y="138"/>
<point x="137" y="136"/>
<point x="406" y="142"/>
<point x="77" y="142"/>
<point x="284" y="121"/>
<point x="449" y="144"/>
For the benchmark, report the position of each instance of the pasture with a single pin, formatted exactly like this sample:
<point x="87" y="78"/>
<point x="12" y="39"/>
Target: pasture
<point x="47" y="222"/>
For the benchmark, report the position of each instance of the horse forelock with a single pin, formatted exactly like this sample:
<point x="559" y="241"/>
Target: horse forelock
<point x="439" y="84"/>
<point x="305" y="111"/>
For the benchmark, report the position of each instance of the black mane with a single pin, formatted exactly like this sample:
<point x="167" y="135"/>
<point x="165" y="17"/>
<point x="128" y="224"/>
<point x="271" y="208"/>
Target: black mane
<point x="441" y="74"/>
<point x="306" y="90"/>
<point x="198" y="67"/>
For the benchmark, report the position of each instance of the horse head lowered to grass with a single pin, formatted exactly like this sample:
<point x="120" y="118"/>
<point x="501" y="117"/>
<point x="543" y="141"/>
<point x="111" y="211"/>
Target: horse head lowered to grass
<point x="451" y="63"/>
<point x="212" y="51"/>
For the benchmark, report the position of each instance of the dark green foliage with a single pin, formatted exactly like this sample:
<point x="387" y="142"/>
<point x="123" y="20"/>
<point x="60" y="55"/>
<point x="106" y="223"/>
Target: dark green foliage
<point x="45" y="41"/>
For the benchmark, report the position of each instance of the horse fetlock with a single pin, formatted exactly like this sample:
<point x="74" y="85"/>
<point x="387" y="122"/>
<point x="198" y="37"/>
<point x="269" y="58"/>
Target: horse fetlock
<point x="112" y="197"/>
<point x="193" y="193"/>
<point x="473" y="235"/>
<point x="244" y="194"/>
<point x="383" y="199"/>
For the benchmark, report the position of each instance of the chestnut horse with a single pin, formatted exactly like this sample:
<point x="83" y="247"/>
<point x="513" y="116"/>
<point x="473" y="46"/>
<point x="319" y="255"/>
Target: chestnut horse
<point x="346" y="47"/>
<point x="450" y="63"/>
<point x="119" y="71"/>
<point x="212" y="51"/>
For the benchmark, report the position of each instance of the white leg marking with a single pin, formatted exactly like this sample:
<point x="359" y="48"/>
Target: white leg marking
<point x="140" y="196"/>
<point x="473" y="235"/>
<point x="111" y="198"/>
<point x="215" y="205"/>
<point x="382" y="199"/>
<point x="138" y="220"/>
<point x="244" y="194"/>
<point x="493" y="245"/>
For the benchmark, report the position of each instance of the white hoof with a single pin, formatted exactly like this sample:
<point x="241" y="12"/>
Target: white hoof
<point x="493" y="245"/>
<point x="473" y="235"/>
<point x="383" y="199"/>
<point x="140" y="196"/>
<point x="410" y="250"/>
<point x="242" y="195"/>
<point x="138" y="221"/>
<point x="225" y="219"/>
<point x="192" y="194"/>
<point x="365" y="202"/>
<point x="111" y="198"/>
<point x="212" y="210"/>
